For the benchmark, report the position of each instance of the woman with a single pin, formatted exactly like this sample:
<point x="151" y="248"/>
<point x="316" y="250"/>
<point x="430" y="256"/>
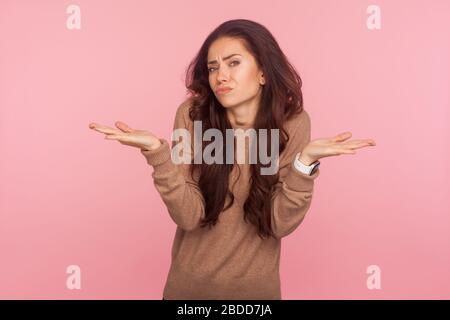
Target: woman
<point x="231" y="218"/>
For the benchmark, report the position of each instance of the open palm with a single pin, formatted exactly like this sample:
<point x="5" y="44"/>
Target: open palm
<point x="131" y="137"/>
<point x="334" y="146"/>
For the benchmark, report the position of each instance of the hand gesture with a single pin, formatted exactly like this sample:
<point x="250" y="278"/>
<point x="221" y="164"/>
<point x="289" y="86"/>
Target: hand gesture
<point x="142" y="139"/>
<point x="334" y="146"/>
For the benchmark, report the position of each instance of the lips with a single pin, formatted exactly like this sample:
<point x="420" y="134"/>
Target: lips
<point x="223" y="90"/>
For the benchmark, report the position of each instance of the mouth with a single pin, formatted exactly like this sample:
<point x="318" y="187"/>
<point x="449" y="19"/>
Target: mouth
<point x="223" y="91"/>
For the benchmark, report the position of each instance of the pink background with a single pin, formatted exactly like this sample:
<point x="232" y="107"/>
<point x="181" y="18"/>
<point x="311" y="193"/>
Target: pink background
<point x="70" y="197"/>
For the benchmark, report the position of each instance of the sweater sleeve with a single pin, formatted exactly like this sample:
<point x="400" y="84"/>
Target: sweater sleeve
<point x="293" y="192"/>
<point x="179" y="192"/>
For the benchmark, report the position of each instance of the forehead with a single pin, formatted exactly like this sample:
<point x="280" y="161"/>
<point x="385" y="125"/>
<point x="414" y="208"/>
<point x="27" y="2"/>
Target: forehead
<point x="225" y="46"/>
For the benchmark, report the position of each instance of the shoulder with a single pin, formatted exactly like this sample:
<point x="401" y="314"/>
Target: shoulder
<point x="298" y="124"/>
<point x="182" y="117"/>
<point x="299" y="130"/>
<point x="184" y="107"/>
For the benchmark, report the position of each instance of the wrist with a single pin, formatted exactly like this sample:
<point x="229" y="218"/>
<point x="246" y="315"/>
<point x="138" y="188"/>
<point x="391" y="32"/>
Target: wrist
<point x="305" y="159"/>
<point x="152" y="147"/>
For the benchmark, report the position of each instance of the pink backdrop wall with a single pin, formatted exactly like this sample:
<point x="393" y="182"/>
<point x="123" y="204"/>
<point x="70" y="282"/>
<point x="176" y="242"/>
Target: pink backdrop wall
<point x="69" y="197"/>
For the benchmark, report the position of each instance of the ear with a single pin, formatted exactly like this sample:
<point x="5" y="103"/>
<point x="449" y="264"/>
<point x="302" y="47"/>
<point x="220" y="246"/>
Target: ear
<point x="262" y="80"/>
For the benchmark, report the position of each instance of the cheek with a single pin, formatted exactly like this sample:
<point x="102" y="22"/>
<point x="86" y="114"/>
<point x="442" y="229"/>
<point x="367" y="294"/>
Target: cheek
<point x="244" y="77"/>
<point x="249" y="81"/>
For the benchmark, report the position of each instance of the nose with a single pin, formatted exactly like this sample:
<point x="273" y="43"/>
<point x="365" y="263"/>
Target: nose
<point x="222" y="75"/>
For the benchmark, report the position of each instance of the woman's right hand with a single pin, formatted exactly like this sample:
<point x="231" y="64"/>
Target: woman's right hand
<point x="142" y="139"/>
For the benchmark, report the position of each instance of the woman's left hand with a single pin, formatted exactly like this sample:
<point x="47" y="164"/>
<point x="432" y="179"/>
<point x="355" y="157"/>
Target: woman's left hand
<point x="335" y="146"/>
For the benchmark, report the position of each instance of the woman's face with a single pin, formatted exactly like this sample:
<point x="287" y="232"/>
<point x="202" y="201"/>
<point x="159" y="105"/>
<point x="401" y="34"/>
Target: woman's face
<point x="231" y="65"/>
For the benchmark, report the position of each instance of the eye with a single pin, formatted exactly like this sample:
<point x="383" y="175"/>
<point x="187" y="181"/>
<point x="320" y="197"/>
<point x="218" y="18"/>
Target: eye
<point x="235" y="61"/>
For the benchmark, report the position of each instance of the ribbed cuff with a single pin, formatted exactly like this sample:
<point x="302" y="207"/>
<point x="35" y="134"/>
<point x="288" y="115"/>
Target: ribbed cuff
<point x="160" y="158"/>
<point x="299" y="181"/>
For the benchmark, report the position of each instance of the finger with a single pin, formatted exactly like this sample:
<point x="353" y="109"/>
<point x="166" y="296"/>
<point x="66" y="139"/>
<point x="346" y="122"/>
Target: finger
<point x="119" y="137"/>
<point x="359" y="144"/>
<point x="112" y="137"/>
<point x="342" y="136"/>
<point x="103" y="129"/>
<point x="358" y="141"/>
<point x="345" y="151"/>
<point x="353" y="142"/>
<point x="123" y="126"/>
<point x="370" y="142"/>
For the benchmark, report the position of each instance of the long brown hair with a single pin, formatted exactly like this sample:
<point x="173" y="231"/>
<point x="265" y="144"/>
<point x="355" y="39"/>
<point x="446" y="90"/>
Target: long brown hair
<point x="281" y="99"/>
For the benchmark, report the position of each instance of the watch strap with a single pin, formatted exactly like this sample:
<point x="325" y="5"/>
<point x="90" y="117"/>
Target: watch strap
<point x="304" y="168"/>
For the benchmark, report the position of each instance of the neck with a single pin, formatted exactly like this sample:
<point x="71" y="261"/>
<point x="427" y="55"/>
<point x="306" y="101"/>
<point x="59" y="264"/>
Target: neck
<point x="243" y="116"/>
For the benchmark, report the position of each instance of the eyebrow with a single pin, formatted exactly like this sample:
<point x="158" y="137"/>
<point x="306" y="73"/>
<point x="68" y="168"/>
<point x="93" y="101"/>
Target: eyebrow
<point x="231" y="55"/>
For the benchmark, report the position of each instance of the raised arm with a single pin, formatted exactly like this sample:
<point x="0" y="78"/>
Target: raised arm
<point x="293" y="193"/>
<point x="178" y="190"/>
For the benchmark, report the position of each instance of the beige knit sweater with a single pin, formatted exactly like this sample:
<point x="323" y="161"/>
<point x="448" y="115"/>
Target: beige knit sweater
<point x="229" y="261"/>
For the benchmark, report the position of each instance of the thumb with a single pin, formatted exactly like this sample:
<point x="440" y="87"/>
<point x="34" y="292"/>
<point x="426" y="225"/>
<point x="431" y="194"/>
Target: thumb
<point x="123" y="126"/>
<point x="342" y="136"/>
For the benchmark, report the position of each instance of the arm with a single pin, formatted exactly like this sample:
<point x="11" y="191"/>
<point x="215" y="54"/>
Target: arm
<point x="178" y="191"/>
<point x="293" y="192"/>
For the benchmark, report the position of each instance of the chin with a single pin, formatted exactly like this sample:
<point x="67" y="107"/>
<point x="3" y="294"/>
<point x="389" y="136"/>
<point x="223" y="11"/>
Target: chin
<point x="225" y="103"/>
<point x="228" y="103"/>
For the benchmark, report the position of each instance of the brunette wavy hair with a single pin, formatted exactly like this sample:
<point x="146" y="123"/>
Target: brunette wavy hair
<point x="281" y="99"/>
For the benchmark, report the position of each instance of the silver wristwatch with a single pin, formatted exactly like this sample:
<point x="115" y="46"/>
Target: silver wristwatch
<point x="309" y="170"/>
